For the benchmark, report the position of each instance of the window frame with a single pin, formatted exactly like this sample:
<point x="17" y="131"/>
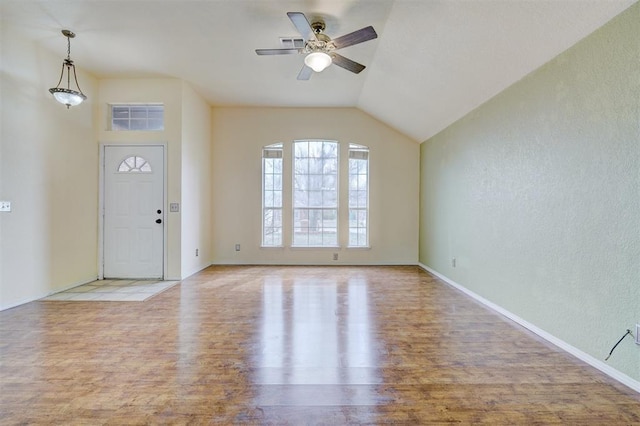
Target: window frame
<point x="278" y="147"/>
<point x="353" y="148"/>
<point x="142" y="123"/>
<point x="340" y="222"/>
<point x="335" y="242"/>
<point x="134" y="164"/>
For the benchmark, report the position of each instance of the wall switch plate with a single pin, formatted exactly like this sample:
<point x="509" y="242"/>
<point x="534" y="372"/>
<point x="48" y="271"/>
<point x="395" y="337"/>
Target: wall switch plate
<point x="335" y="256"/>
<point x="453" y="262"/>
<point x="5" y="206"/>
<point x="174" y="207"/>
<point x="237" y="247"/>
<point x="637" y="335"/>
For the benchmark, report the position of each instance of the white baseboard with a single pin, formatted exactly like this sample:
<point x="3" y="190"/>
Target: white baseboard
<point x="583" y="356"/>
<point x="16" y="304"/>
<point x="69" y="287"/>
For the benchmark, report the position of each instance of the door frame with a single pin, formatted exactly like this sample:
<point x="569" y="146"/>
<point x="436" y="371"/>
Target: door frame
<point x="101" y="182"/>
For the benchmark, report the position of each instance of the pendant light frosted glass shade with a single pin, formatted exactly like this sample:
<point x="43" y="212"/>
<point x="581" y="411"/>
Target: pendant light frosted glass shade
<point x="317" y="61"/>
<point x="66" y="95"/>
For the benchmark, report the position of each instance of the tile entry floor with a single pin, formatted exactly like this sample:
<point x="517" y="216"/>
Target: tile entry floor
<point x="114" y="291"/>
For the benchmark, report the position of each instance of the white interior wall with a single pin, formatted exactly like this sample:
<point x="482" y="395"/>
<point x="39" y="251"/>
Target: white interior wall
<point x="168" y="92"/>
<point x="48" y="170"/>
<point x="196" y="182"/>
<point x="238" y="137"/>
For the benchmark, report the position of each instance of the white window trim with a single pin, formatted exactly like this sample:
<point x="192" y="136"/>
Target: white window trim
<point x="110" y="123"/>
<point x="337" y="208"/>
<point x="288" y="158"/>
<point x="275" y="148"/>
<point x="368" y="209"/>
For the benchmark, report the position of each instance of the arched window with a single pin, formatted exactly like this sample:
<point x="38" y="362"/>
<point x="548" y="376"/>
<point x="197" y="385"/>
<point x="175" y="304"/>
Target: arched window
<point x="272" y="196"/>
<point x="134" y="164"/>
<point x="358" y="196"/>
<point x="315" y="193"/>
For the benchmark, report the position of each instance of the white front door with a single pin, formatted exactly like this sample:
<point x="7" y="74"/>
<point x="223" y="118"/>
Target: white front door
<point x="133" y="211"/>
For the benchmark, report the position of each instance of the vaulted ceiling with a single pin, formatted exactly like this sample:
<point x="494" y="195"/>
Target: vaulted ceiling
<point x="433" y="60"/>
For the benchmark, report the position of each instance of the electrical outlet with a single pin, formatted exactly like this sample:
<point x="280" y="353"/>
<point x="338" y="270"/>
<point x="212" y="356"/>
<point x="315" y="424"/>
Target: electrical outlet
<point x="335" y="256"/>
<point x="453" y="262"/>
<point x="5" y="206"/>
<point x="637" y="335"/>
<point x="197" y="252"/>
<point x="237" y="247"/>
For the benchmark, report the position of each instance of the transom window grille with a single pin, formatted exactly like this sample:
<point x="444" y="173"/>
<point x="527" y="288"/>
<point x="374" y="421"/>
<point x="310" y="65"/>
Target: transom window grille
<point x="315" y="193"/>
<point x="272" y="196"/>
<point x="358" y="195"/>
<point x="134" y="164"/>
<point x="137" y="117"/>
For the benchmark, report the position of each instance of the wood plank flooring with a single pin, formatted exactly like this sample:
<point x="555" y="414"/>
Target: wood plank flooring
<point x="294" y="345"/>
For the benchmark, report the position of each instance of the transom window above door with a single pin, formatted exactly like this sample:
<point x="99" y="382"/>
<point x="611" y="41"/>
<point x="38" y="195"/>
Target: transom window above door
<point x="140" y="117"/>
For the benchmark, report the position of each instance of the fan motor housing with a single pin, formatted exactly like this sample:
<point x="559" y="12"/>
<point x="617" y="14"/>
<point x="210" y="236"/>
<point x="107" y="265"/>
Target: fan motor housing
<point x="318" y="27"/>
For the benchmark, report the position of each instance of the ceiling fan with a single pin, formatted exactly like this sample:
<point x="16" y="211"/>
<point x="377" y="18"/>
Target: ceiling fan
<point x="320" y="48"/>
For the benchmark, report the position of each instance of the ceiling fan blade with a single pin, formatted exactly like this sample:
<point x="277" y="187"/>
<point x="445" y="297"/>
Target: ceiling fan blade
<point x="305" y="73"/>
<point x="277" y="51"/>
<point x="363" y="34"/>
<point x="302" y="25"/>
<point x="346" y="63"/>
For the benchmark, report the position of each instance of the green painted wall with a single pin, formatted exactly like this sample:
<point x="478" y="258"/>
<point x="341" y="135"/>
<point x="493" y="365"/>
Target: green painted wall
<point x="537" y="195"/>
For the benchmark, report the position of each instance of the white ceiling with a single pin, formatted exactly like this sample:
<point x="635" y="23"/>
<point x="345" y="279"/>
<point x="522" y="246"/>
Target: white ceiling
<point x="433" y="60"/>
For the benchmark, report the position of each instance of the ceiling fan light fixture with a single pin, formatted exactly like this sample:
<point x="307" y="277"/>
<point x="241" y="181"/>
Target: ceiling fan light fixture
<point x="317" y="61"/>
<point x="67" y="96"/>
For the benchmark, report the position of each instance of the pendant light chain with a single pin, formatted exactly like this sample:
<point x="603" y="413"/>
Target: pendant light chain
<point x="69" y="63"/>
<point x="75" y="77"/>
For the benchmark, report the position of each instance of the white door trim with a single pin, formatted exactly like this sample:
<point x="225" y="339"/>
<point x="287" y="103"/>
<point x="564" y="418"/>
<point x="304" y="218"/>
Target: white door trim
<point x="101" y="180"/>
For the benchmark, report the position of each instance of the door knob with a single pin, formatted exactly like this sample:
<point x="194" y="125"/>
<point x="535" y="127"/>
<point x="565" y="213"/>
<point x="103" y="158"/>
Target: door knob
<point x="158" y="220"/>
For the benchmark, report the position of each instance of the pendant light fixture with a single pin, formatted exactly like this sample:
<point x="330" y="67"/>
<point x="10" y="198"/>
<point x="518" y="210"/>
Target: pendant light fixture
<point x="68" y="96"/>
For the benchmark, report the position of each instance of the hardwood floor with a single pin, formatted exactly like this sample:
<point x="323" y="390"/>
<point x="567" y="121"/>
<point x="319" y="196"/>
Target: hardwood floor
<point x="294" y="345"/>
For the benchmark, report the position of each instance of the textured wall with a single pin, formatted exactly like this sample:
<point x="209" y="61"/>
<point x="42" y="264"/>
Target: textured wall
<point x="536" y="194"/>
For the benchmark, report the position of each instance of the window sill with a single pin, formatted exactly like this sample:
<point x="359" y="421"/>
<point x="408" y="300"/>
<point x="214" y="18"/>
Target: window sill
<point x="315" y="247"/>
